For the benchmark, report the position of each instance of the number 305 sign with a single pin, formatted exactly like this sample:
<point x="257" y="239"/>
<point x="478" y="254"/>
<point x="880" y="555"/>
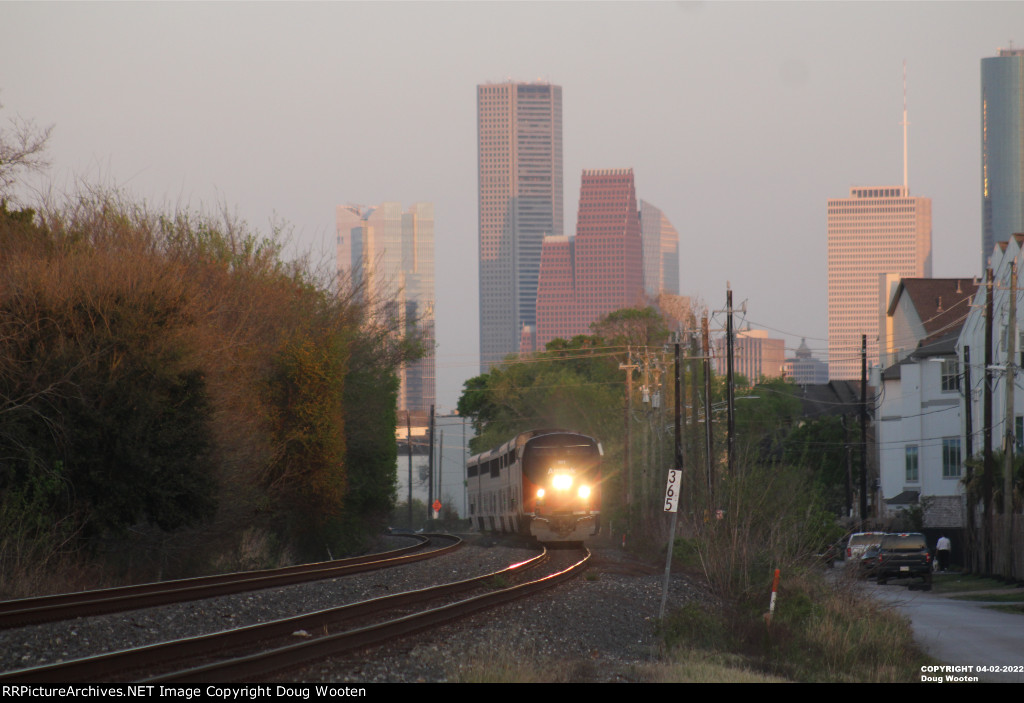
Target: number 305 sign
<point x="672" y="490"/>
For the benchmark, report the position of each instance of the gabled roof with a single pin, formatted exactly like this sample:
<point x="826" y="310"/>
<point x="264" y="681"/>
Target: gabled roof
<point x="937" y="345"/>
<point x="904" y="498"/>
<point x="832" y="398"/>
<point x="942" y="304"/>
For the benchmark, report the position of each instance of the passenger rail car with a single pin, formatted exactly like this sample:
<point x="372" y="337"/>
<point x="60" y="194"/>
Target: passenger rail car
<point x="543" y="482"/>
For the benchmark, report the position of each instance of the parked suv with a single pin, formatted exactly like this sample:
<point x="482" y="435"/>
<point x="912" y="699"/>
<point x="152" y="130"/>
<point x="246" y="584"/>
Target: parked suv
<point x="860" y="541"/>
<point x="904" y="555"/>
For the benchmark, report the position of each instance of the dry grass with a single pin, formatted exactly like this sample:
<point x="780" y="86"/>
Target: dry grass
<point x="701" y="666"/>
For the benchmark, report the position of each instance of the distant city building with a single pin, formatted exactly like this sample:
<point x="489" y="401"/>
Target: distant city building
<point x="519" y="127"/>
<point x="660" y="251"/>
<point x="804" y="369"/>
<point x="600" y="270"/>
<point x="874" y="231"/>
<point x="755" y="355"/>
<point x="1002" y="149"/>
<point x="388" y="255"/>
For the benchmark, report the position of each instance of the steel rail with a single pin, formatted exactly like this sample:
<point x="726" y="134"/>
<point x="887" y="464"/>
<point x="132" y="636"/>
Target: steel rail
<point x="65" y="606"/>
<point x="150" y="656"/>
<point x="257" y="666"/>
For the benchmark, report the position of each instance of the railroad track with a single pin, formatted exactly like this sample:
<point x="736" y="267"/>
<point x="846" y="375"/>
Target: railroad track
<point x="30" y="611"/>
<point x="329" y="632"/>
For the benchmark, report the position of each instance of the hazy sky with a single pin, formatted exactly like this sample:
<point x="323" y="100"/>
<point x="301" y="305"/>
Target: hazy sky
<point x="740" y="120"/>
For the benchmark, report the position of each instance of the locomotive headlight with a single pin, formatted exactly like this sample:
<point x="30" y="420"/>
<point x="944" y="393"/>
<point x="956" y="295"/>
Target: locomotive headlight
<point x="540" y="492"/>
<point x="584" y="492"/>
<point x="562" y="482"/>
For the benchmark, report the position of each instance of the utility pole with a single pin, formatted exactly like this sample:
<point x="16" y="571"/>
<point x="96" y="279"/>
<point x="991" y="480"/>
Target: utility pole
<point x="972" y="533"/>
<point x="694" y="392"/>
<point x="430" y="465"/>
<point x="1009" y="381"/>
<point x="628" y="368"/>
<point x="986" y="479"/>
<point x="709" y="439"/>
<point x="863" y="428"/>
<point x="440" y="469"/>
<point x="465" y="462"/>
<point x="408" y="436"/>
<point x="678" y="414"/>
<point x="730" y="390"/>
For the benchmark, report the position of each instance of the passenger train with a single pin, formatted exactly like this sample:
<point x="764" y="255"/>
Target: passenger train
<point x="543" y="482"/>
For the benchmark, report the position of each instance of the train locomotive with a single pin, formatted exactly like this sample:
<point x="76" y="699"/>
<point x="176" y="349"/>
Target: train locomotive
<point x="545" y="483"/>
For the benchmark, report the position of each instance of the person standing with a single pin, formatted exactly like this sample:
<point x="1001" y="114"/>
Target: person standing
<point x="942" y="549"/>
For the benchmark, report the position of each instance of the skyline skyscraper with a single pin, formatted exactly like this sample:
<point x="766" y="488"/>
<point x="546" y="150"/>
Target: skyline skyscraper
<point x="755" y="355"/>
<point x="661" y="251"/>
<point x="1002" y="149"/>
<point x="881" y="230"/>
<point x="519" y="129"/>
<point x="388" y="255"/>
<point x="600" y="270"/>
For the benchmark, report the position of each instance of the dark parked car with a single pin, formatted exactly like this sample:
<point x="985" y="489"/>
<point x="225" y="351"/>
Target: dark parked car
<point x="904" y="555"/>
<point x="868" y="566"/>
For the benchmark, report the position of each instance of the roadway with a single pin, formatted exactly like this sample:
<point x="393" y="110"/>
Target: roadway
<point x="960" y="633"/>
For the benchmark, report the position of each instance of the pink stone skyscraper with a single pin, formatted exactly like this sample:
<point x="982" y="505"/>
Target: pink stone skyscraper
<point x="598" y="271"/>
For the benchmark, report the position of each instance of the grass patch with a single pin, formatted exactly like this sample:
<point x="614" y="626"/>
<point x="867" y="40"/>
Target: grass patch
<point x="1016" y="609"/>
<point x="993" y="597"/>
<point x="955" y="583"/>
<point x="695" y="627"/>
<point x="499" y="582"/>
<point x="821" y="632"/>
<point x="701" y="666"/>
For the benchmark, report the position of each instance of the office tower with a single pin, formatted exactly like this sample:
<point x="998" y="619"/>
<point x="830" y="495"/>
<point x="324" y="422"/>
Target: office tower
<point x="1002" y="149"/>
<point x="600" y="270"/>
<point x="661" y="251"/>
<point x="388" y="255"/>
<point x="875" y="231"/>
<point x="755" y="355"/>
<point x="519" y="127"/>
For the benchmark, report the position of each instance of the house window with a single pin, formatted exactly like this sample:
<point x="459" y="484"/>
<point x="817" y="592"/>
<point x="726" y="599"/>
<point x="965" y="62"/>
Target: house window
<point x="950" y="375"/>
<point x="951" y="457"/>
<point x="912" y="464"/>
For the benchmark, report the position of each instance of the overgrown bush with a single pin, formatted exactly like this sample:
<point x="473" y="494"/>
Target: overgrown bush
<point x="171" y="374"/>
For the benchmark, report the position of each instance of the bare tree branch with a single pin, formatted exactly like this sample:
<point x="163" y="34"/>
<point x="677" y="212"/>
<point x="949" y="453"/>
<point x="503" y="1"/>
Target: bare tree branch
<point x="22" y="150"/>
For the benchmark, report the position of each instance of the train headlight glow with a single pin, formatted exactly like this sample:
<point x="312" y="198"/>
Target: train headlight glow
<point x="540" y="492"/>
<point x="562" y="482"/>
<point x="584" y="492"/>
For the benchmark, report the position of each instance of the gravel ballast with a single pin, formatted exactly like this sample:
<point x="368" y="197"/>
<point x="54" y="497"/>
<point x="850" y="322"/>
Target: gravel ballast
<point x="594" y="628"/>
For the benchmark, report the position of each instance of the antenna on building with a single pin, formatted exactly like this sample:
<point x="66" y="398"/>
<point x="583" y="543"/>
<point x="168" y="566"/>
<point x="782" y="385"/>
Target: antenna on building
<point x="906" y="188"/>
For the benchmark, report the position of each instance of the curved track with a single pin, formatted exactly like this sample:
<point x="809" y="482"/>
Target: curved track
<point x="274" y="657"/>
<point x="27" y="611"/>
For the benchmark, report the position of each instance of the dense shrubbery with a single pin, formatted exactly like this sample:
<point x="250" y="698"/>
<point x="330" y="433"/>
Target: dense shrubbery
<point x="174" y="374"/>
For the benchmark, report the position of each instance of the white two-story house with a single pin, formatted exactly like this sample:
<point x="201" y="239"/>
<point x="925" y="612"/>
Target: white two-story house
<point x="919" y="418"/>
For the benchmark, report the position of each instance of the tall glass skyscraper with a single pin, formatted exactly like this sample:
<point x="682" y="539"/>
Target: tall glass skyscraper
<point x="388" y="255"/>
<point x="519" y="127"/>
<point x="1002" y="149"/>
<point x="661" y="251"/>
